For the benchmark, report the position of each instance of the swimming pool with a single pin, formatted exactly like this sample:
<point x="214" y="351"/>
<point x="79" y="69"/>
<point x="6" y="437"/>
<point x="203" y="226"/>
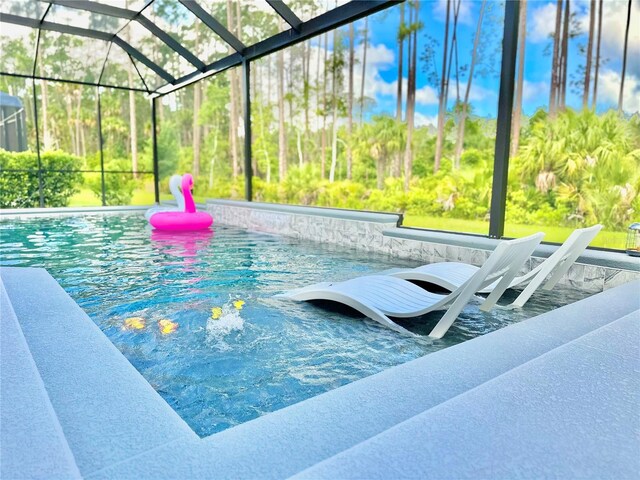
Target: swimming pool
<point x="271" y="353"/>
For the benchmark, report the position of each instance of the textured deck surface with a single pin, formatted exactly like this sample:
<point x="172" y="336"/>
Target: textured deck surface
<point x="553" y="396"/>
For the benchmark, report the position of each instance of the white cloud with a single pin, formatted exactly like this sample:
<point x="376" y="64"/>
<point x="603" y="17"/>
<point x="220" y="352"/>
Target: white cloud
<point x="422" y="120"/>
<point x="535" y="90"/>
<point x="541" y="22"/>
<point x="609" y="90"/>
<point x="426" y="95"/>
<point x="479" y="93"/>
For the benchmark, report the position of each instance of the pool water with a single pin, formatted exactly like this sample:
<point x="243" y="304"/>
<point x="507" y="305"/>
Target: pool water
<point x="255" y="357"/>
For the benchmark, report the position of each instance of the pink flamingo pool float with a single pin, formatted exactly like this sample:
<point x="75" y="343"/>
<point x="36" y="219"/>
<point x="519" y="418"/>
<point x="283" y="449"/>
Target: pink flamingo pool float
<point x="189" y="219"/>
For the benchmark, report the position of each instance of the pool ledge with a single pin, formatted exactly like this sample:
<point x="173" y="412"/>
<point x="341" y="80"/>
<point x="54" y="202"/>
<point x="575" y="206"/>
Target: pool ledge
<point x="509" y="403"/>
<point x="595" y="270"/>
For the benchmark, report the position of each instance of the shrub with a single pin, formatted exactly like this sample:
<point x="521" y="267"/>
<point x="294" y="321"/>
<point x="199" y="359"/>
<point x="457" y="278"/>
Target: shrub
<point x="118" y="187"/>
<point x="21" y="189"/>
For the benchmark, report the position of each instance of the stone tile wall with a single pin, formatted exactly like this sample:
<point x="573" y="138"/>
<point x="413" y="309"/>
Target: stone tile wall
<point x="369" y="236"/>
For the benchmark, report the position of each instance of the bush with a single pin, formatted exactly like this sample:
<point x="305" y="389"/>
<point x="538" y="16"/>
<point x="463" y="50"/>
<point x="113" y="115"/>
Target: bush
<point x="21" y="189"/>
<point x="118" y="187"/>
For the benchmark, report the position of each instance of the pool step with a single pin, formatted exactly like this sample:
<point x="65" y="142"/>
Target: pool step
<point x="117" y="426"/>
<point x="552" y="416"/>
<point x="107" y="410"/>
<point x="293" y="439"/>
<point x="32" y="443"/>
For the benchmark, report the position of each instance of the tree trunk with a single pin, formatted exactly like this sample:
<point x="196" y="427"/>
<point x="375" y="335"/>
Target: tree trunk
<point x="47" y="141"/>
<point x="324" y="110"/>
<point x="282" y="139"/>
<point x="350" y="102"/>
<point x="133" y="135"/>
<point x="364" y="65"/>
<point x="555" y="79"/>
<point x="517" y="108"/>
<point x="465" y="105"/>
<point x="395" y="167"/>
<point x="624" y="58"/>
<point x="70" y="121"/>
<point x="595" y="77"/>
<point x="400" y="64"/>
<point x="454" y="49"/>
<point x="587" y="69"/>
<point x="334" y="115"/>
<point x="411" y="95"/>
<point x="214" y="153"/>
<point x="197" y="129"/>
<point x="442" y="104"/>
<point x="561" y="90"/>
<point x="233" y="93"/>
<point x="380" y="168"/>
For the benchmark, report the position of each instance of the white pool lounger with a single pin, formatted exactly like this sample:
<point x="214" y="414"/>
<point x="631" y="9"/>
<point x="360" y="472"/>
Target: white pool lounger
<point x="452" y="275"/>
<point x="382" y="296"/>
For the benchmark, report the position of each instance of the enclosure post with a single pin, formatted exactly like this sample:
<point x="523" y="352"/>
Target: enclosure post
<point x="503" y="124"/>
<point x="100" y="143"/>
<point x="154" y="136"/>
<point x="246" y="90"/>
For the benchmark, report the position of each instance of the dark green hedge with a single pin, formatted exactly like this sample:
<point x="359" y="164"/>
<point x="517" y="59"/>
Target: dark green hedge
<point x="21" y="190"/>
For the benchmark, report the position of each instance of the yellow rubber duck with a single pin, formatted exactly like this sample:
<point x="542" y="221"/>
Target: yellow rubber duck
<point x="167" y="326"/>
<point x="238" y="304"/>
<point x="134" y="323"/>
<point x="216" y="313"/>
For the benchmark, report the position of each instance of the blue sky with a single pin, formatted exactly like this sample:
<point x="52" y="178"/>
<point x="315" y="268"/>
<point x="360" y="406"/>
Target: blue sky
<point x="382" y="58"/>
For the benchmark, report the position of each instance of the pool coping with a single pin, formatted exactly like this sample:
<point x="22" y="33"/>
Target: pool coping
<point x="262" y="448"/>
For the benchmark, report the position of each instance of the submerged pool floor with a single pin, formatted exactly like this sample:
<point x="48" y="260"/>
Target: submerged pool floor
<point x="155" y="295"/>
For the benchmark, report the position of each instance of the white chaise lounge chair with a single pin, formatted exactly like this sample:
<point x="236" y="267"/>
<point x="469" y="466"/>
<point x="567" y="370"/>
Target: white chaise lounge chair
<point x="382" y="296"/>
<point x="451" y="275"/>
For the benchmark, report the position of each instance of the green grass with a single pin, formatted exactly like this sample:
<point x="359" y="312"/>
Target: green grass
<point x="605" y="239"/>
<point x="86" y="198"/>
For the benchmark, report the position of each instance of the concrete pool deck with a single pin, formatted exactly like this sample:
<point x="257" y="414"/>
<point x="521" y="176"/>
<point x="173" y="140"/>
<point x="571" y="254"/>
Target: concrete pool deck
<point x="557" y="395"/>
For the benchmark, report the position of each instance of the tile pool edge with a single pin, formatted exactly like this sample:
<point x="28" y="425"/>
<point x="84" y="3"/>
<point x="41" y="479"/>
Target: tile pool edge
<point x="594" y="272"/>
<point x="264" y="447"/>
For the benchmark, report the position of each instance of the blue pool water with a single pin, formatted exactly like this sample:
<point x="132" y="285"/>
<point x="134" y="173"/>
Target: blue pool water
<point x="271" y="353"/>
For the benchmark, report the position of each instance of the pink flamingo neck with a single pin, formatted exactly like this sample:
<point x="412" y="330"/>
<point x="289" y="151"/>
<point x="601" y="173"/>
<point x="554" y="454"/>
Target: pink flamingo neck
<point x="187" y="183"/>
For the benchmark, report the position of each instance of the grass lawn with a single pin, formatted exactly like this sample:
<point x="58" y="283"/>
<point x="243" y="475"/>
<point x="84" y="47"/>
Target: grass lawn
<point x="86" y="198"/>
<point x="606" y="238"/>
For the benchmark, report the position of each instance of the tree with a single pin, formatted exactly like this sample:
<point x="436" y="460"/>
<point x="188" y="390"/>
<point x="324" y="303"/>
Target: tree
<point x="587" y="70"/>
<point x="561" y="90"/>
<point x="364" y="66"/>
<point x="555" y="62"/>
<point x="517" y="108"/>
<point x="395" y="169"/>
<point x="465" y="104"/>
<point x="624" y="57"/>
<point x="282" y="139"/>
<point x="350" y="102"/>
<point x="411" y="92"/>
<point x="336" y="67"/>
<point x="442" y="104"/>
<point x="595" y="77"/>
<point x="234" y="100"/>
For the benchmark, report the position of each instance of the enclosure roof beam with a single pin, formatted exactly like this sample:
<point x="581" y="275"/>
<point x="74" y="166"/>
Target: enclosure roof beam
<point x="347" y="13"/>
<point x="96" y="8"/>
<point x="135" y="53"/>
<point x="133" y="15"/>
<point x="171" y="42"/>
<point x="214" y="25"/>
<point x="84" y="32"/>
<point x="286" y="13"/>
<point x="73" y="82"/>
